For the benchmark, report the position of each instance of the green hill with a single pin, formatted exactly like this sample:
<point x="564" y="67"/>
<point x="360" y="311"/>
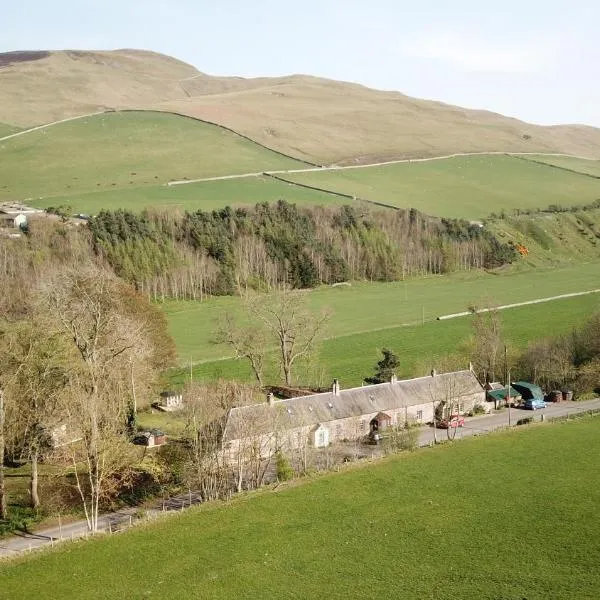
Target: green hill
<point x="470" y="187"/>
<point x="117" y="151"/>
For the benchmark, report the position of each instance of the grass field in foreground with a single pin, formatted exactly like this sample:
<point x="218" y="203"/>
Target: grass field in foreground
<point x="366" y="307"/>
<point x="509" y="515"/>
<point x="467" y="187"/>
<point x="124" y="150"/>
<point x="582" y="165"/>
<point x="351" y="358"/>
<point x="208" y="195"/>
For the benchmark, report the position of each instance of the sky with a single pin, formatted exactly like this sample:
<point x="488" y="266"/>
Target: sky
<point x="531" y="59"/>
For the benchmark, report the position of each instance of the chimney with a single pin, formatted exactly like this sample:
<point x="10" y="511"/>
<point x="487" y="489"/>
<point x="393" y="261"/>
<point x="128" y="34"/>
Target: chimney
<point x="393" y="379"/>
<point x="335" y="388"/>
<point x="470" y="366"/>
<point x="433" y="372"/>
<point x="270" y="398"/>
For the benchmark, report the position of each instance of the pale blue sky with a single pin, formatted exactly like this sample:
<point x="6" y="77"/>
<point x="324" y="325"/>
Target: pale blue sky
<point x="536" y="60"/>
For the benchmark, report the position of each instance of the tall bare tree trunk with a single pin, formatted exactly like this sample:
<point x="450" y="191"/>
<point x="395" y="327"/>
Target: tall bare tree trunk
<point x="33" y="481"/>
<point x="3" y="513"/>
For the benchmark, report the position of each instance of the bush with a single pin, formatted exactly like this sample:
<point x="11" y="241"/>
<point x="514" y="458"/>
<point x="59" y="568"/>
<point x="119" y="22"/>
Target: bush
<point x="525" y="421"/>
<point x="284" y="468"/>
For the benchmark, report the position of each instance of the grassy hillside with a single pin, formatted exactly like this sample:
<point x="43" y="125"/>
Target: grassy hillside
<point x="7" y="129"/>
<point x="366" y="307"/>
<point x="207" y="195"/>
<point x="407" y="526"/>
<point x="570" y="163"/>
<point x="470" y="187"/>
<point x="351" y="358"/>
<point x="122" y="151"/>
<point x="315" y="119"/>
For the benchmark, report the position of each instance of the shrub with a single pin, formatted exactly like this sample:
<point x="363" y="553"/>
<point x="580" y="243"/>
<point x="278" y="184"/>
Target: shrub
<point x="284" y="468"/>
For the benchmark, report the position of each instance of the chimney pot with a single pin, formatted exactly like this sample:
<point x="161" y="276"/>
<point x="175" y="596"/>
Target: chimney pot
<point x="270" y="398"/>
<point x="433" y="372"/>
<point x="394" y="379"/>
<point x="336" y="387"/>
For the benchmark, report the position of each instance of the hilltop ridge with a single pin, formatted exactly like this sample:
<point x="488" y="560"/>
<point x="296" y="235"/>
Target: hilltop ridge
<point x="311" y="118"/>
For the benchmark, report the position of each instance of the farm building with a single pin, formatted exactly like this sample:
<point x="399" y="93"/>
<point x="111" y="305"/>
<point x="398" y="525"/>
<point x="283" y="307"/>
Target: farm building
<point x="15" y="215"/>
<point x="320" y="419"/>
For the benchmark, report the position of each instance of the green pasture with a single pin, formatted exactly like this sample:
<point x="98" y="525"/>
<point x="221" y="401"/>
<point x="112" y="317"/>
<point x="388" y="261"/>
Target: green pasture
<point x="207" y="195"/>
<point x="476" y="519"/>
<point x="123" y="150"/>
<point x="468" y="187"/>
<point x="364" y="307"/>
<point x="351" y="358"/>
<point x="581" y="165"/>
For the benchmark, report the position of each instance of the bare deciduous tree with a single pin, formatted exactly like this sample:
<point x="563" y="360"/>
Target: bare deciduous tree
<point x="488" y="344"/>
<point x="87" y="304"/>
<point x="295" y="329"/>
<point x="247" y="342"/>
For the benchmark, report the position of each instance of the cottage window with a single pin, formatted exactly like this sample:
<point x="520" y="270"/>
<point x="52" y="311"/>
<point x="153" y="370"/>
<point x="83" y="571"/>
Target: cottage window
<point x="419" y="415"/>
<point x="363" y="425"/>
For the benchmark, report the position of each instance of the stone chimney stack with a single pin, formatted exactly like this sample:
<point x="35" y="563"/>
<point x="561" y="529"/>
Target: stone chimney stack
<point x="270" y="398"/>
<point x="335" y="388"/>
<point x="433" y="372"/>
<point x="394" y="379"/>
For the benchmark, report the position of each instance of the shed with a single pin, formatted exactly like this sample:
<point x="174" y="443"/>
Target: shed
<point x="499" y="396"/>
<point x="529" y="391"/>
<point x="152" y="438"/>
<point x="171" y="400"/>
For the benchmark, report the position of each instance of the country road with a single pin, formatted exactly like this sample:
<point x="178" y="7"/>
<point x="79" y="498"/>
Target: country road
<point x="27" y="541"/>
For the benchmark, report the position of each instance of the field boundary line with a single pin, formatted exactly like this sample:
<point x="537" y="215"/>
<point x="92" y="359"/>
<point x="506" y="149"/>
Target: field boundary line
<point x="38" y="127"/>
<point x="317" y="169"/>
<point x="466" y="313"/>
<point x="559" y="167"/>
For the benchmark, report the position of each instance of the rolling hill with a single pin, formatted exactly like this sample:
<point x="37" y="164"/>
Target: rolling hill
<point x="125" y="150"/>
<point x="310" y="118"/>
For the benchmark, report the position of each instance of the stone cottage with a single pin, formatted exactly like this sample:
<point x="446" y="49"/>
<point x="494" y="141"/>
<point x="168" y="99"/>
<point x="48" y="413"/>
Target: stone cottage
<point x="321" y="419"/>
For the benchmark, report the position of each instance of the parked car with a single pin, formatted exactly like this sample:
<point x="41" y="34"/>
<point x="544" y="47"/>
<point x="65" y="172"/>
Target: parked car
<point x="534" y="403"/>
<point x="451" y="421"/>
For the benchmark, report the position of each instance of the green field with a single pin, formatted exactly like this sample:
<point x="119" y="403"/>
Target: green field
<point x="351" y="358"/>
<point x="478" y="519"/>
<point x="125" y="150"/>
<point x="581" y="165"/>
<point x="365" y="307"/>
<point x="207" y="195"/>
<point x="466" y="187"/>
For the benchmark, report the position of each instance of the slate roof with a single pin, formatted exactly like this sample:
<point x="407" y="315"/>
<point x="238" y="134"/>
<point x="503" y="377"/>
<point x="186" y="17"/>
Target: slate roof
<point x="320" y="408"/>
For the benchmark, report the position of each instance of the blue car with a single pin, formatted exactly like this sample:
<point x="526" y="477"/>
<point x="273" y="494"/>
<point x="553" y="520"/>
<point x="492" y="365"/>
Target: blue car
<point x="534" y="403"/>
